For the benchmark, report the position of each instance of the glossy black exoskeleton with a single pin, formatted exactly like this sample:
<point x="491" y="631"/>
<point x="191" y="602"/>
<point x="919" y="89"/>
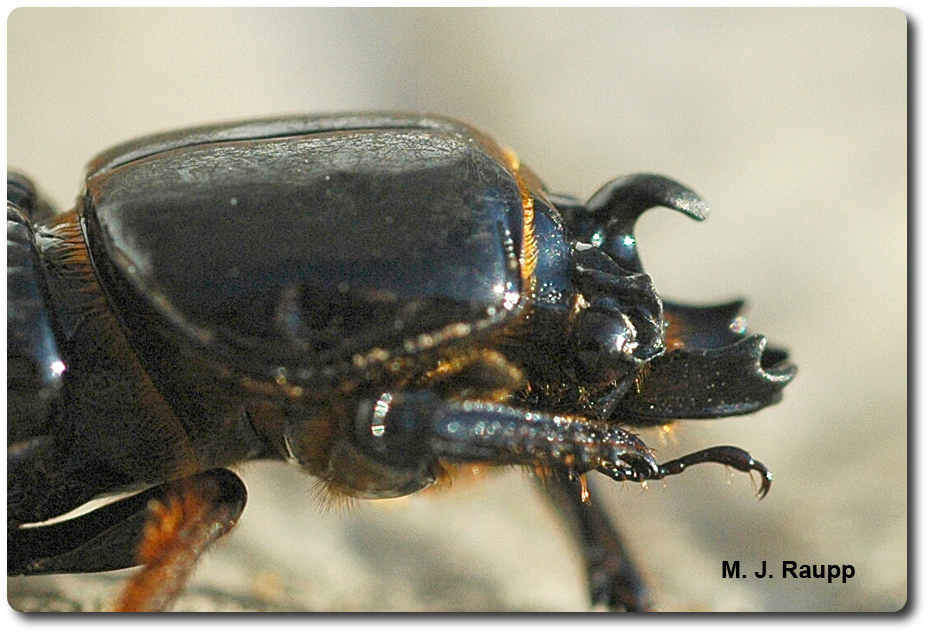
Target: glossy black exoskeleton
<point x="371" y="297"/>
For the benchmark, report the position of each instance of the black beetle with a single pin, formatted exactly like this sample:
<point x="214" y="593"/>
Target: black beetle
<point x="373" y="297"/>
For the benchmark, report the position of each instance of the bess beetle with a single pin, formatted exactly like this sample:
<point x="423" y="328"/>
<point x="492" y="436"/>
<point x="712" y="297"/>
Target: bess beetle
<point x="374" y="298"/>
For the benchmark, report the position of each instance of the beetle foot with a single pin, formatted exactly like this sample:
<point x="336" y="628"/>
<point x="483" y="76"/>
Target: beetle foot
<point x="626" y="458"/>
<point x="728" y="455"/>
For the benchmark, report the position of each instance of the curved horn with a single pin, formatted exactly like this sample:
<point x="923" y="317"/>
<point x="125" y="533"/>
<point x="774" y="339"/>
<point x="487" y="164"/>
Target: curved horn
<point x="617" y="205"/>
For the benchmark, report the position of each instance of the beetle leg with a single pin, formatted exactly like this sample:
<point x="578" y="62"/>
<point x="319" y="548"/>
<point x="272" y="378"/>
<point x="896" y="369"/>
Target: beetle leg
<point x="165" y="528"/>
<point x="188" y="516"/>
<point x="101" y="540"/>
<point x="614" y="580"/>
<point x="479" y="431"/>
<point x="488" y="432"/>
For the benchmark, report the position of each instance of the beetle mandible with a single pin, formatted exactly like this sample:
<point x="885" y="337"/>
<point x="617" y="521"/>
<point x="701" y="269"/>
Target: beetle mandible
<point x="372" y="297"/>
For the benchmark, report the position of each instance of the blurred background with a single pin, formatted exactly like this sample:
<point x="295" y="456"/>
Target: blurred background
<point x="791" y="123"/>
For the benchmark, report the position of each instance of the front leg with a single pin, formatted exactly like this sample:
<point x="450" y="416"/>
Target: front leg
<point x="396" y="441"/>
<point x="408" y="431"/>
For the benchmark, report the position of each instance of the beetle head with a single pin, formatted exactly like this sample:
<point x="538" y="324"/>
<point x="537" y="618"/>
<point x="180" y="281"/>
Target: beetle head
<point x="617" y="319"/>
<point x="610" y="347"/>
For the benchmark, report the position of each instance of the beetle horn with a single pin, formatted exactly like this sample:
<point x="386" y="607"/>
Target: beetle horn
<point x="617" y="206"/>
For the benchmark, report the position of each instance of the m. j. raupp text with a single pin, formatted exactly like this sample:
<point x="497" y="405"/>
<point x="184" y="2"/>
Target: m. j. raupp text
<point x="793" y="570"/>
